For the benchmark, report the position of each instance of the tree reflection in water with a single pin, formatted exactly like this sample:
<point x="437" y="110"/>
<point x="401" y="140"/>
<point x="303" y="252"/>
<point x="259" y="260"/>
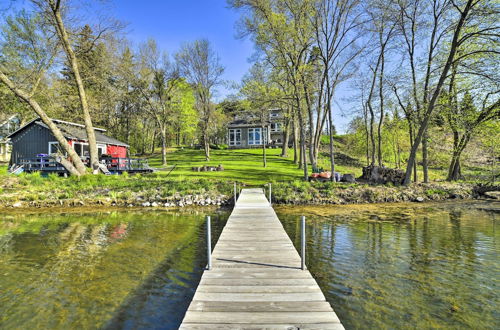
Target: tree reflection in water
<point x="84" y="270"/>
<point x="404" y="265"/>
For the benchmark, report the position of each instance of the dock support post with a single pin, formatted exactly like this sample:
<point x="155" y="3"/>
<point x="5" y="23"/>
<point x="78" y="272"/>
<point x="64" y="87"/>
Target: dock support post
<point x="302" y="242"/>
<point x="235" y="192"/>
<point x="209" y="244"/>
<point x="270" y="203"/>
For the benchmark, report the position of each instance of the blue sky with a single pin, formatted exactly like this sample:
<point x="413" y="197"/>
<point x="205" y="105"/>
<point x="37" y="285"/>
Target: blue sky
<point x="172" y="23"/>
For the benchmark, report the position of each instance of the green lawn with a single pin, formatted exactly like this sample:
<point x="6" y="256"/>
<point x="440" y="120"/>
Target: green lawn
<point x="245" y="166"/>
<point x="242" y="165"/>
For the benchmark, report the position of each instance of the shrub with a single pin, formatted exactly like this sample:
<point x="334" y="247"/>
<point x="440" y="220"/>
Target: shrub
<point x="219" y="146"/>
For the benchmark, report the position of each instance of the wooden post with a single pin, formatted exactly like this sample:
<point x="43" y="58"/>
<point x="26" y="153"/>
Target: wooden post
<point x="209" y="244"/>
<point x="235" y="199"/>
<point x="270" y="203"/>
<point x="302" y="242"/>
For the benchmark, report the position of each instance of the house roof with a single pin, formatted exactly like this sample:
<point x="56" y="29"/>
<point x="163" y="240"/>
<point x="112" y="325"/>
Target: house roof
<point x="74" y="131"/>
<point x="245" y="119"/>
<point x="7" y="120"/>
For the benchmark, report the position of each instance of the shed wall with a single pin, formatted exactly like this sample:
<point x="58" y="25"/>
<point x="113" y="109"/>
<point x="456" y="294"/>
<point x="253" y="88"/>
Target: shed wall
<point x="31" y="141"/>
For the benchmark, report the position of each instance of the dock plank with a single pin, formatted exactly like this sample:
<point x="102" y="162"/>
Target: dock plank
<point x="256" y="281"/>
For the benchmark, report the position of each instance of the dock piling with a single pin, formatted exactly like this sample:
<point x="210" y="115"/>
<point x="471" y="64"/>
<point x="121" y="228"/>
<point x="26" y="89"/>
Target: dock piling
<point x="302" y="242"/>
<point x="235" y="192"/>
<point x="209" y="244"/>
<point x="270" y="203"/>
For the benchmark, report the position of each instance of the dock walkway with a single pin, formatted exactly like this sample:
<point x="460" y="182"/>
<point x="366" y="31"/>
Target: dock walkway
<point x="256" y="281"/>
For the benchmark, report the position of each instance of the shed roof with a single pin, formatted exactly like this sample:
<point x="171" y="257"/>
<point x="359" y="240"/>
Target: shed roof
<point x="74" y="131"/>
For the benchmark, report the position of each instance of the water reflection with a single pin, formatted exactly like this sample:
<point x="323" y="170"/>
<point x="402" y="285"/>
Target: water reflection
<point x="405" y="266"/>
<point x="119" y="269"/>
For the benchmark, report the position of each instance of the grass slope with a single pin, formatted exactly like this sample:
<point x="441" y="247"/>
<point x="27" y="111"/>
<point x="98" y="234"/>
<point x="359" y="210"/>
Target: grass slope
<point x="242" y="165"/>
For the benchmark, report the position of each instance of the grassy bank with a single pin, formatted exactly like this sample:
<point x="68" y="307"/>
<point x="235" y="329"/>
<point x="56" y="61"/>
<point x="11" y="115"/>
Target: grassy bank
<point x="241" y="165"/>
<point x="182" y="186"/>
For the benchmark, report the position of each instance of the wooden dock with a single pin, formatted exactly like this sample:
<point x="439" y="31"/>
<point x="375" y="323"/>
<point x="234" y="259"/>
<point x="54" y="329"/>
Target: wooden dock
<point x="256" y="281"/>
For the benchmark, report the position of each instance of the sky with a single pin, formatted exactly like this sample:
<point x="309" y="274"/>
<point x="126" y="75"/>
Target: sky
<point x="172" y="23"/>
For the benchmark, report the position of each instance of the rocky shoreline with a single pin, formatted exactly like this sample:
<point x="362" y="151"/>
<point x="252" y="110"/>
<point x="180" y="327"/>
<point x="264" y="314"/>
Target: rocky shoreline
<point x="174" y="201"/>
<point x="284" y="193"/>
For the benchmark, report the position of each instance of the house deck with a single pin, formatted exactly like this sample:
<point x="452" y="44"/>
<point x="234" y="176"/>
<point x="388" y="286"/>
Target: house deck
<point x="256" y="280"/>
<point x="115" y="165"/>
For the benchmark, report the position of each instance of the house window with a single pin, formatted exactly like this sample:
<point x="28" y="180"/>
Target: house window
<point x="54" y="148"/>
<point x="255" y="136"/>
<point x="235" y="137"/>
<point x="101" y="149"/>
<point x="275" y="127"/>
<point x="83" y="149"/>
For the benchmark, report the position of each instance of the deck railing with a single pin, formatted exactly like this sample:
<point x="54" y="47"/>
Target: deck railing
<point x="114" y="164"/>
<point x="125" y="164"/>
<point x="46" y="164"/>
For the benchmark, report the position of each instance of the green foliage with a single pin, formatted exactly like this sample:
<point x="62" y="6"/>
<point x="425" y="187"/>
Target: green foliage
<point x="436" y="191"/>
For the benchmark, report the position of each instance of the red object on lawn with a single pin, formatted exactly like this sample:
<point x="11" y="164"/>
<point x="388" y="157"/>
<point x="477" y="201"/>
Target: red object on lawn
<point x="325" y="175"/>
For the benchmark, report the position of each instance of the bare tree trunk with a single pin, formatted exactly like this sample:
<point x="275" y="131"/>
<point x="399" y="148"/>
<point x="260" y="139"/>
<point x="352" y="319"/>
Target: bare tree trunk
<point x="89" y="128"/>
<point x="295" y="142"/>
<point x="153" y="142"/>
<point x="425" y="161"/>
<point x="77" y="168"/>
<point x="286" y="137"/>
<point x="264" y="139"/>
<point x="206" y="144"/>
<point x="412" y="140"/>
<point x="381" y="96"/>
<point x="430" y="107"/>
<point x="367" y="133"/>
<point x="304" y="153"/>
<point x="372" y="113"/>
<point x="206" y="137"/>
<point x="454" y="171"/>
<point x="303" y="144"/>
<point x="372" y="135"/>
<point x="330" y="132"/>
<point x="163" y="132"/>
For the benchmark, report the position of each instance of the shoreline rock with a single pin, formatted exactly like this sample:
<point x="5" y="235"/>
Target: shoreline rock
<point x="283" y="193"/>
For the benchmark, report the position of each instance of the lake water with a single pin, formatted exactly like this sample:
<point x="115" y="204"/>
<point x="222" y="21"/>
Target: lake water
<point x="403" y="266"/>
<point x="380" y="266"/>
<point x="109" y="270"/>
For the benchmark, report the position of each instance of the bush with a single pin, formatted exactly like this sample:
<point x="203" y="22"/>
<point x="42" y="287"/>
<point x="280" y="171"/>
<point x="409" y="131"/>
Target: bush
<point x="219" y="146"/>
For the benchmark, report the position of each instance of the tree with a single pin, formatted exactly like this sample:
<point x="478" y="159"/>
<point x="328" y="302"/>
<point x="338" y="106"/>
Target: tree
<point x="283" y="33"/>
<point x="263" y="95"/>
<point x="201" y="67"/>
<point x="336" y="28"/>
<point x="184" y="116"/>
<point x="383" y="29"/>
<point x="158" y="81"/>
<point x="470" y="24"/>
<point x="28" y="51"/>
<point x="465" y="119"/>
<point x="53" y="10"/>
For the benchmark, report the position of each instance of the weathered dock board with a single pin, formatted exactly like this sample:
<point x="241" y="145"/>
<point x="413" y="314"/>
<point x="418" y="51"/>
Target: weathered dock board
<point x="256" y="281"/>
